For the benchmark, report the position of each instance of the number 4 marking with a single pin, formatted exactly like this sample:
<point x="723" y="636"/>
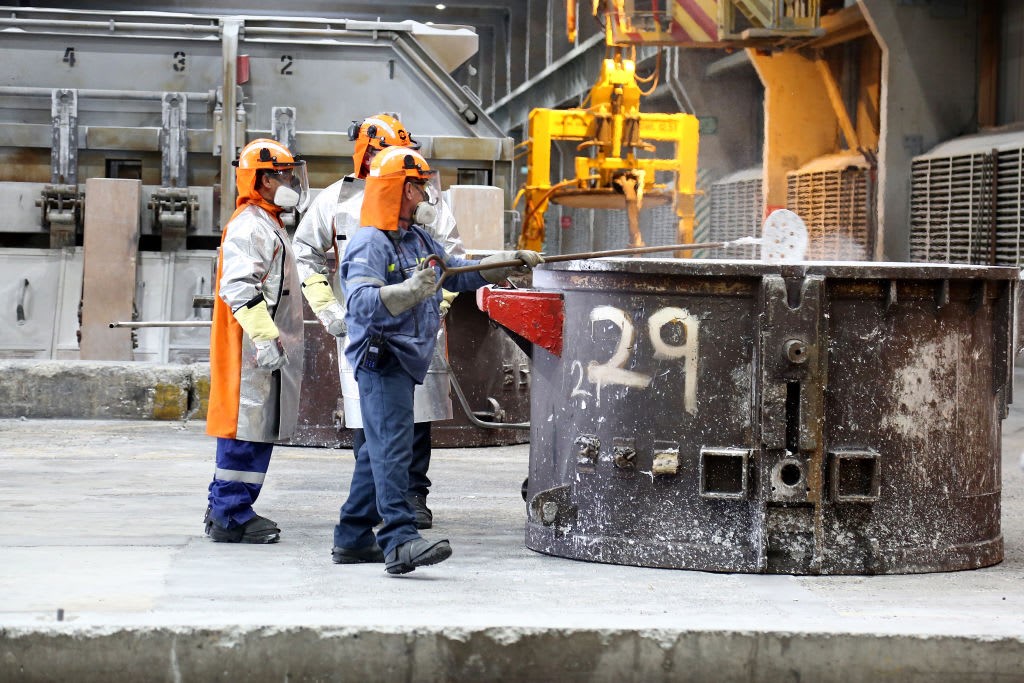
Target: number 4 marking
<point x="69" y="56"/>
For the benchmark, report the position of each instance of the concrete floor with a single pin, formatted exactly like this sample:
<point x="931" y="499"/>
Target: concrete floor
<point x="105" y="575"/>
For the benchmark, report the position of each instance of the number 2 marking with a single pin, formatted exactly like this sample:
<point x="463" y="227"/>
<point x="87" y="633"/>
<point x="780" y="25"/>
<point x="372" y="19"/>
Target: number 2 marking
<point x="613" y="371"/>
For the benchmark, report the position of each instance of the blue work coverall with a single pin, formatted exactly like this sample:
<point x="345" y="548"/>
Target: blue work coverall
<point x="373" y="259"/>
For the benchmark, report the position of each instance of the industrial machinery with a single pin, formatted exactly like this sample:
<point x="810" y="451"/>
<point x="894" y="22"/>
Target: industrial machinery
<point x="122" y="126"/>
<point x="624" y="165"/>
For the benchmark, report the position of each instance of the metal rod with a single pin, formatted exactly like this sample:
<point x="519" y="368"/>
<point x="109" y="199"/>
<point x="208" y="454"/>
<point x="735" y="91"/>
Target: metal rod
<point x="465" y="404"/>
<point x="177" y="323"/>
<point x="434" y="259"/>
<point x="102" y="94"/>
<point x="110" y="25"/>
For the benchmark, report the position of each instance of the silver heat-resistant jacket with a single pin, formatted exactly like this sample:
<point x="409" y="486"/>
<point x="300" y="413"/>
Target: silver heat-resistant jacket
<point x="258" y="257"/>
<point x="332" y="219"/>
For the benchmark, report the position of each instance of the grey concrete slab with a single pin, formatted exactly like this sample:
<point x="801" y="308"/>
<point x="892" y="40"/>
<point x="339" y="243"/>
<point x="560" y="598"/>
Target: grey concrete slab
<point x="102" y="520"/>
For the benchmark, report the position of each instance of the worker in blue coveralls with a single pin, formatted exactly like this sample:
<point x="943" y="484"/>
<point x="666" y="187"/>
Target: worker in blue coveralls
<point x="392" y="313"/>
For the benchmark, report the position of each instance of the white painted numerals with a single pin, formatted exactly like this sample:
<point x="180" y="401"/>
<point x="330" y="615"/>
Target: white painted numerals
<point x="613" y="372"/>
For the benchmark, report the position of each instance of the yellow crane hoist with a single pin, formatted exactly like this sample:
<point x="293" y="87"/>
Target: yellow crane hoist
<point x="618" y="166"/>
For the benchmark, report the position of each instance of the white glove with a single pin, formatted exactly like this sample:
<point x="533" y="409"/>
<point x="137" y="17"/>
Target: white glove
<point x="403" y="296"/>
<point x="495" y="275"/>
<point x="270" y="354"/>
<point x="333" y="319"/>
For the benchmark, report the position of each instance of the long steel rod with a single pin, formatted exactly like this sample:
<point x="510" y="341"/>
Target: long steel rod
<point x="585" y="255"/>
<point x="177" y="323"/>
<point x="30" y="91"/>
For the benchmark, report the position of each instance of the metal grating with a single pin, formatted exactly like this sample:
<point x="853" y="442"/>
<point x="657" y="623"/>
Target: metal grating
<point x="1009" y="210"/>
<point x="967" y="201"/>
<point x="835" y="204"/>
<point x="737" y="210"/>
<point x="952" y="208"/>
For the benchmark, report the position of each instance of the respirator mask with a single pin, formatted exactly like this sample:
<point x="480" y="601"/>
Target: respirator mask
<point x="293" y="189"/>
<point x="425" y="213"/>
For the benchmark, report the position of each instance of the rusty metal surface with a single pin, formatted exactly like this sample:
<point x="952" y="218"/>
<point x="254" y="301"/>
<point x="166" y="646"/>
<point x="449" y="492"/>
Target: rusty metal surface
<point x="491" y="369"/>
<point x="320" y="399"/>
<point x="822" y="418"/>
<point x="494" y="374"/>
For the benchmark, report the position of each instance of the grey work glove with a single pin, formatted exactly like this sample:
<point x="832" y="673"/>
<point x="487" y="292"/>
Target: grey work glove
<point x="333" y="319"/>
<point x="270" y="354"/>
<point x="401" y="297"/>
<point x="495" y="275"/>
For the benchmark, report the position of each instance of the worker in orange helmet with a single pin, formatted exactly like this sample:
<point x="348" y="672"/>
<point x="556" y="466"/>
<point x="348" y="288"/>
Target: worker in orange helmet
<point x="392" y="310"/>
<point x="332" y="219"/>
<point x="256" y="342"/>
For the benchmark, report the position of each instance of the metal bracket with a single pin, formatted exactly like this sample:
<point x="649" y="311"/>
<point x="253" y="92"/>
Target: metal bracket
<point x="173" y="211"/>
<point x="282" y="126"/>
<point x="174" y="140"/>
<point x="64" y="150"/>
<point x="62" y="213"/>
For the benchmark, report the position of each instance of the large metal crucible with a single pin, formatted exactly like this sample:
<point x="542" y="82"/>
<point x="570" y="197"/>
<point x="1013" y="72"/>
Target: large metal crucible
<point x="819" y="418"/>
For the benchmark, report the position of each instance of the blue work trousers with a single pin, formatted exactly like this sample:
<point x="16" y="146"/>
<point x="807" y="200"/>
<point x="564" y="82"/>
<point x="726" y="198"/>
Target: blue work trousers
<point x="381" y="476"/>
<point x="241" y="469"/>
<point x="419" y="482"/>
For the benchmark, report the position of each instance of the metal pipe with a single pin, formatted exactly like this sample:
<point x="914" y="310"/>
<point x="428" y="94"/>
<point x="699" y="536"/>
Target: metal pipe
<point x="109" y="25"/>
<point x="229" y="62"/>
<point x="274" y="31"/>
<point x="465" y="404"/>
<point x="176" y="323"/>
<point x="100" y="94"/>
<point x="434" y="259"/>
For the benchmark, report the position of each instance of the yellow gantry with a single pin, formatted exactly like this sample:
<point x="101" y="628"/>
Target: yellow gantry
<point x="611" y="131"/>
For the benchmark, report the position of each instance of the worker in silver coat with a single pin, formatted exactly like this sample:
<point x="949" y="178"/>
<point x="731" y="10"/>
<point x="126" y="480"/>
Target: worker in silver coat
<point x="256" y="341"/>
<point x="330" y="222"/>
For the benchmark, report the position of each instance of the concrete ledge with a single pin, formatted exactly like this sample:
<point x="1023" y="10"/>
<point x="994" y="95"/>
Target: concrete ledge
<point x="94" y="390"/>
<point x="448" y="655"/>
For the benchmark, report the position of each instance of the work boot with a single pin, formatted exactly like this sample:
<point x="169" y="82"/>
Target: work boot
<point x="424" y="517"/>
<point x="418" y="552"/>
<point x="256" y="530"/>
<point x="371" y="553"/>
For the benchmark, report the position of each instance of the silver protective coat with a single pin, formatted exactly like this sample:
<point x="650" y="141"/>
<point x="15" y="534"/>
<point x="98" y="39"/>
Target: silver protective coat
<point x="258" y="258"/>
<point x="332" y="220"/>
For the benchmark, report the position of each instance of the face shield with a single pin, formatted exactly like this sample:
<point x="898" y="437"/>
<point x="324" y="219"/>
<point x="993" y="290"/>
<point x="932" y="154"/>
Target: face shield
<point x="293" y="188"/>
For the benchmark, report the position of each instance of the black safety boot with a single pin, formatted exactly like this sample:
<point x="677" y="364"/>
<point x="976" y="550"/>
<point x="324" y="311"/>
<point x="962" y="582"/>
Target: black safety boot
<point x="256" y="530"/>
<point x="371" y="553"/>
<point x="424" y="517"/>
<point x="418" y="552"/>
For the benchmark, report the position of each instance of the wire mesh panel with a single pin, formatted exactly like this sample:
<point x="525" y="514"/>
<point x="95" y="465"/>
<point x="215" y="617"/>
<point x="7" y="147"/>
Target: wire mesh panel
<point x="836" y="207"/>
<point x="952" y="209"/>
<point x="1009" y="209"/>
<point x="737" y="209"/>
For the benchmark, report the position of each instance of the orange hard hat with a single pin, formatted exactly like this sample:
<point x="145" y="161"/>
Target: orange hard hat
<point x="389" y="171"/>
<point x="377" y="132"/>
<point x="261" y="154"/>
